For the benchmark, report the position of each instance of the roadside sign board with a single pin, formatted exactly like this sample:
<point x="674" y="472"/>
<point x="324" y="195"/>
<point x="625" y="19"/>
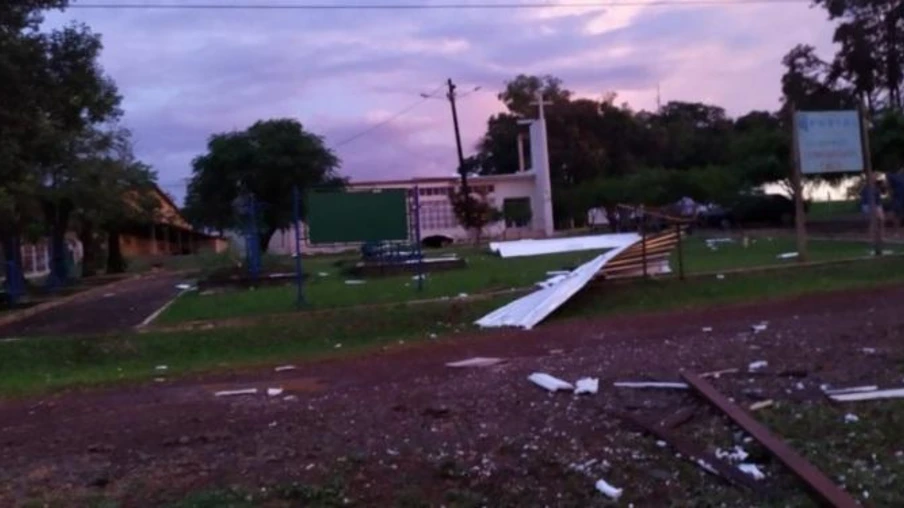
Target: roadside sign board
<point x="829" y="142"/>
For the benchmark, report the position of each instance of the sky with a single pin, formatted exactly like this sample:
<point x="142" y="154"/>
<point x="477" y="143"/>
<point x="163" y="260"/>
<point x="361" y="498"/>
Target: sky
<point x="187" y="74"/>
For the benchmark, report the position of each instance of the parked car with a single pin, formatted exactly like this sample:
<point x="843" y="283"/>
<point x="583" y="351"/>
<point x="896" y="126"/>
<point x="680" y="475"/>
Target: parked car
<point x="751" y="210"/>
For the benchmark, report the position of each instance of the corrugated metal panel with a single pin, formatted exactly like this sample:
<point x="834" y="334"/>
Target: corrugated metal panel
<point x="520" y="248"/>
<point x="529" y="310"/>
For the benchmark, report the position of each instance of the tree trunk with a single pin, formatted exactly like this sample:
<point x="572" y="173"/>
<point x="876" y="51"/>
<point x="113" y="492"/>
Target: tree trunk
<point x="89" y="249"/>
<point x="57" y="217"/>
<point x="264" y="239"/>
<point x="12" y="251"/>
<point x="115" y="262"/>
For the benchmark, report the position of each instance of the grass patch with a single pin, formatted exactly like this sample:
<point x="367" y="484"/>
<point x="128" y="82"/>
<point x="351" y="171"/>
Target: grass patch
<point x="36" y="365"/>
<point x="829" y="210"/>
<point x="672" y="294"/>
<point x="760" y="251"/>
<point x="43" y="364"/>
<point x="485" y="273"/>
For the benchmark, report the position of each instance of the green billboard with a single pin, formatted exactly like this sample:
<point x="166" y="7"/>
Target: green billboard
<point x="362" y="216"/>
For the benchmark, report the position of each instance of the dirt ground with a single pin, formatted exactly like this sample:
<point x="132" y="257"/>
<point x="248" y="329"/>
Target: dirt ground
<point x="399" y="428"/>
<point x="125" y="305"/>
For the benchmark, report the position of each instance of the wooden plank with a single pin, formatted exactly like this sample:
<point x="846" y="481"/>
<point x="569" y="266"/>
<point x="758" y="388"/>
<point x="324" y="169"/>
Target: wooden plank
<point x="678" y="418"/>
<point x="697" y="455"/>
<point x="818" y="483"/>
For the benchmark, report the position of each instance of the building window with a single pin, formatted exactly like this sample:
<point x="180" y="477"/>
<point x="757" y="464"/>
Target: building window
<point x="437" y="215"/>
<point x="517" y="212"/>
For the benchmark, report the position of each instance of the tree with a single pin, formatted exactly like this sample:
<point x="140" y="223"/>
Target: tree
<point x="474" y="211"/>
<point x="54" y="93"/>
<point x="265" y="161"/>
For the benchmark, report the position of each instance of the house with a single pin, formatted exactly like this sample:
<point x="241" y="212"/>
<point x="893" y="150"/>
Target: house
<point x="168" y="234"/>
<point x="436" y="215"/>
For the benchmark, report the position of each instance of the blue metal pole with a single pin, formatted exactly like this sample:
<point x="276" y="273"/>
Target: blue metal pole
<point x="296" y="217"/>
<point x="417" y="238"/>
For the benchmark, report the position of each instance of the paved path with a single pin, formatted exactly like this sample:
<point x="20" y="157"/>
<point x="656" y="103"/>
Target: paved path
<point x="122" y="307"/>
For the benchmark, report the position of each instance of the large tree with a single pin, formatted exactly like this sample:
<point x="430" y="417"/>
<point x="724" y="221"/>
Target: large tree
<point x="54" y="93"/>
<point x="265" y="162"/>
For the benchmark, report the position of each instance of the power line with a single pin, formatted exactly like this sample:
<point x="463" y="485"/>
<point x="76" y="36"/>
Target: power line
<point x="424" y="98"/>
<point x="425" y="6"/>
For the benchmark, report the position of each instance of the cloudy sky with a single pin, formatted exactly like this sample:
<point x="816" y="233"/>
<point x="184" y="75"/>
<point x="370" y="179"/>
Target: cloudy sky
<point x="186" y="74"/>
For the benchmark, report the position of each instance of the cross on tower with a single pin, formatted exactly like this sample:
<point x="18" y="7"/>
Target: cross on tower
<point x="539" y="102"/>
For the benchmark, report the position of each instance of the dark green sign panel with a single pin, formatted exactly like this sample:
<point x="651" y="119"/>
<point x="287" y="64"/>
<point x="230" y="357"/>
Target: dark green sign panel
<point x="366" y="216"/>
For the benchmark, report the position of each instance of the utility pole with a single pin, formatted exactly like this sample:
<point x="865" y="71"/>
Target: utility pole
<point x="462" y="171"/>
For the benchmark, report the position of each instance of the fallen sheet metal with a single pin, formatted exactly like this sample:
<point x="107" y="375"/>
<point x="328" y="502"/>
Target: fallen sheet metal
<point x="548" y="382"/>
<point x="529" y="310"/>
<point x="520" y="248"/>
<point x="650" y="384"/>
<point x="818" y="483"/>
<point x="896" y="393"/>
<point x="477" y="361"/>
<point x="852" y="389"/>
<point x="589" y="385"/>
<point x="695" y="453"/>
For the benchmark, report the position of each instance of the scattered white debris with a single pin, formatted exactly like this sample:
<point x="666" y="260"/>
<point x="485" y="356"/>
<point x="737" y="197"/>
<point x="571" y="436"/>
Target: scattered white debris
<point x="338" y="345"/>
<point x="787" y="255"/>
<point x="587" y="385"/>
<point x="869" y="350"/>
<point x="159" y="379"/>
<point x="109" y="295"/>
<point x="10" y="339"/>
<point x="661" y="444"/>
<point x="763" y="404"/>
<point x="290" y="398"/>
<point x="608" y="490"/>
<point x="707" y="466"/>
<point x="548" y="382"/>
<point x="752" y="470"/>
<point x="851" y="418"/>
<point x="419" y="276"/>
<point x="737" y="454"/>
<point x="274" y="392"/>
<point x="757" y="365"/>
<point x="651" y="384"/>
<point x="184" y="286"/>
<point x="707" y="329"/>
<point x="583" y="468"/>
<point x="283" y="368"/>
<point x="719" y="240"/>
<point x="228" y="393"/>
<point x="323" y="274"/>
<point x="718" y="373"/>
<point x="895" y="393"/>
<point x="354" y="282"/>
<point x="853" y="389"/>
<point x="390" y="451"/>
<point x="477" y="361"/>
<point x="720" y="276"/>
<point x="432" y="335"/>
<point x="309" y="467"/>
<point x="799" y="386"/>
<point x="462" y="295"/>
<point x="161" y="367"/>
<point x="759" y="327"/>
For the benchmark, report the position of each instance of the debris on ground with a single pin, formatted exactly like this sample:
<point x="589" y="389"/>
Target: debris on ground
<point x="283" y="368"/>
<point x="323" y="274"/>
<point x="787" y="255"/>
<point x="757" y="365"/>
<point x="229" y="393"/>
<point x="109" y="295"/>
<point x="819" y="484"/>
<point x="707" y="329"/>
<point x="759" y="327"/>
<point x="608" y="490"/>
<point x="763" y="404"/>
<point x="868" y="350"/>
<point x="462" y="295"/>
<point x="894" y="393"/>
<point x="736" y="454"/>
<point x="477" y="361"/>
<point x="587" y="385"/>
<point x="720" y="276"/>
<point x="548" y="382"/>
<point x="752" y="470"/>
<point x="274" y="392"/>
<point x="851" y="418"/>
<point x="852" y="389"/>
<point x="354" y="282"/>
<point x="650" y="384"/>
<point x="338" y="345"/>
<point x="161" y="367"/>
<point x="718" y="373"/>
<point x="185" y="287"/>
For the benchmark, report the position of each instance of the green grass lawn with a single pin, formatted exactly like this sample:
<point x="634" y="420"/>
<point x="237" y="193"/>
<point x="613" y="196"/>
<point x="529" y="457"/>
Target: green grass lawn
<point x="760" y="251"/>
<point x="485" y="273"/>
<point x="37" y="365"/>
<point x="828" y="210"/>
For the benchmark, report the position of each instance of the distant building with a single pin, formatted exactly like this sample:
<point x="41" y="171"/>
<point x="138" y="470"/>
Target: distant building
<point x="436" y="215"/>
